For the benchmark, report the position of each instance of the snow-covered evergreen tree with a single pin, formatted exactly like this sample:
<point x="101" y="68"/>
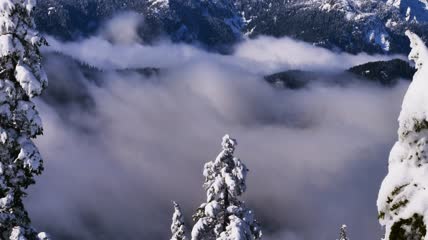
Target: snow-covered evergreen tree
<point x="178" y="228"/>
<point x="403" y="197"/>
<point x="224" y="216"/>
<point x="21" y="78"/>
<point x="342" y="234"/>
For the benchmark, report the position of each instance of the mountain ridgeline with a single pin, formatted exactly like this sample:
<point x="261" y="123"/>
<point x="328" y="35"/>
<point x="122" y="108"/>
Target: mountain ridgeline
<point x="346" y="25"/>
<point x="385" y="73"/>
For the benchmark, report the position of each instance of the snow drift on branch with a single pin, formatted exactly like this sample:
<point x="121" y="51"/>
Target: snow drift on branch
<point x="403" y="195"/>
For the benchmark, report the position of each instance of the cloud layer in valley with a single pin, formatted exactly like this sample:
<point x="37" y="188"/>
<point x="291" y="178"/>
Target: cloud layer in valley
<point x="119" y="146"/>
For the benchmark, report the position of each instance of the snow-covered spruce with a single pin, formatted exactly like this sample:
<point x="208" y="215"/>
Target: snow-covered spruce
<point x="21" y="78"/>
<point x="403" y="197"/>
<point x="342" y="234"/>
<point x="224" y="216"/>
<point x="178" y="228"/>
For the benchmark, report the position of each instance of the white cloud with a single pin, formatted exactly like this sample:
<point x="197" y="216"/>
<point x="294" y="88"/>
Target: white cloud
<point x="316" y="156"/>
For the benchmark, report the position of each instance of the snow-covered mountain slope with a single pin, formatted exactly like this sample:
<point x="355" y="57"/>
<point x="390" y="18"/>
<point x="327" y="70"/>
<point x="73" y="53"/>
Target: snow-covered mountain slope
<point x="211" y="23"/>
<point x="160" y="4"/>
<point x="374" y="26"/>
<point x="410" y="10"/>
<point x="413" y="10"/>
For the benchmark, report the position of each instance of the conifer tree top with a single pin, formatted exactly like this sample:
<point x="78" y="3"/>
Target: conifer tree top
<point x="178" y="229"/>
<point x="343" y="235"/>
<point x="415" y="104"/>
<point x="229" y="144"/>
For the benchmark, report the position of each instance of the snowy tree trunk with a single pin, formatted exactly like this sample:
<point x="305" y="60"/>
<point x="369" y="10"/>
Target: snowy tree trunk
<point x="21" y="78"/>
<point x="226" y="205"/>
<point x="403" y="197"/>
